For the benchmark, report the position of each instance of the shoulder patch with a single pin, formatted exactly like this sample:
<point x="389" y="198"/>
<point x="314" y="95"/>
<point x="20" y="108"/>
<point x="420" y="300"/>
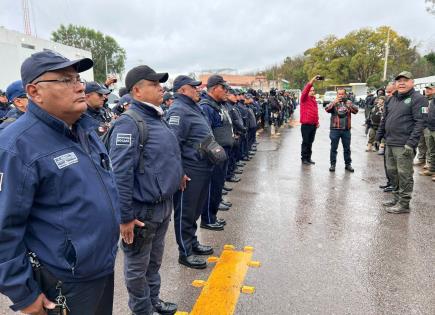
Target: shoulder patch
<point x="123" y="139"/>
<point x="66" y="160"/>
<point x="1" y="181"/>
<point x="174" y="120"/>
<point x="407" y="101"/>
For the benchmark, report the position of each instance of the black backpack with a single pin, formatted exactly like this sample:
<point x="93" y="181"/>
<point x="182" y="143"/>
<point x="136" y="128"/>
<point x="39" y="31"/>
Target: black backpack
<point x="143" y="136"/>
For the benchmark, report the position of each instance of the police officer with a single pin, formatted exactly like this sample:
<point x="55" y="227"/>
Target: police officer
<point x="252" y="123"/>
<point x="147" y="163"/>
<point x="168" y="99"/>
<point x="191" y="127"/>
<point x="58" y="197"/>
<point x="95" y="98"/>
<point x="5" y="107"/>
<point x="212" y="105"/>
<point x="402" y="127"/>
<point x="17" y="96"/>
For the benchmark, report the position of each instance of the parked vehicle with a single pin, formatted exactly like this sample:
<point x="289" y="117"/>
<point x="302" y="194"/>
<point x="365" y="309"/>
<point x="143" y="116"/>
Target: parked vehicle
<point x="329" y="97"/>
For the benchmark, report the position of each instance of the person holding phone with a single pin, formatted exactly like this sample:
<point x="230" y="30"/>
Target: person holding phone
<point x="341" y="110"/>
<point x="309" y="118"/>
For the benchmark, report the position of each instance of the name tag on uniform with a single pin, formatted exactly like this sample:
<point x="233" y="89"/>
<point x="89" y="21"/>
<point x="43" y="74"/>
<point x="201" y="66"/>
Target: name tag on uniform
<point x="123" y="139"/>
<point x="66" y="160"/>
<point x="174" y="120"/>
<point x="425" y="110"/>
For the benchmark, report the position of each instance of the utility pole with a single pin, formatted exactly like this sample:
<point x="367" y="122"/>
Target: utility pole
<point x="387" y="51"/>
<point x="105" y="60"/>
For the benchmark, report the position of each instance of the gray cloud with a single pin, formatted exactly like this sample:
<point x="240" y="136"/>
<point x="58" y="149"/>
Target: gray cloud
<point x="189" y="35"/>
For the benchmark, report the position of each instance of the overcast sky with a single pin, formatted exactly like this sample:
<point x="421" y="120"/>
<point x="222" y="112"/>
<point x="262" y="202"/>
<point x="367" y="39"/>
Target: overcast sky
<point x="181" y="36"/>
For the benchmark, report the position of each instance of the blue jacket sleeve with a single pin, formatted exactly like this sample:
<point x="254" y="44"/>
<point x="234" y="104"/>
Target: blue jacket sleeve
<point x="18" y="185"/>
<point x="124" y="150"/>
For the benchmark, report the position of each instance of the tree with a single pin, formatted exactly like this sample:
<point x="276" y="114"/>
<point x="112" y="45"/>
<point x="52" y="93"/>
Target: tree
<point x="359" y="56"/>
<point x="104" y="48"/>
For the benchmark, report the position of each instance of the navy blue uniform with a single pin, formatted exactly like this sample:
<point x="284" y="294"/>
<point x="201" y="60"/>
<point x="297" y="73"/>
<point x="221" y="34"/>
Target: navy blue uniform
<point x="191" y="127"/>
<point x="11" y="117"/>
<point x="58" y="198"/>
<point x="219" y="119"/>
<point x="4" y="109"/>
<point x="101" y="119"/>
<point x="145" y="196"/>
<point x="244" y="137"/>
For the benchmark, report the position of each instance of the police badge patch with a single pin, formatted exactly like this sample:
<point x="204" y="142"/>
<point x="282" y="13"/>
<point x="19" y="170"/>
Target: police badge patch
<point x="174" y="120"/>
<point x="123" y="139"/>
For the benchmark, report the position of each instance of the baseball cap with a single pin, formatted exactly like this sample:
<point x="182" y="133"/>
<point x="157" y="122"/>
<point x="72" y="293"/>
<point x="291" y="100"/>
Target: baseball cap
<point x="14" y="90"/>
<point x="405" y="74"/>
<point x="216" y="80"/>
<point x="183" y="80"/>
<point x="125" y="99"/>
<point x="167" y="96"/>
<point x="96" y="87"/>
<point x="49" y="60"/>
<point x="430" y="86"/>
<point x="143" y="73"/>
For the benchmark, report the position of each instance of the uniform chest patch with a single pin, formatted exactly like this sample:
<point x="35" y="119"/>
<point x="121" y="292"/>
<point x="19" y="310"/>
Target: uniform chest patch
<point x="1" y="181"/>
<point x="123" y="139"/>
<point x="424" y="110"/>
<point x="174" y="120"/>
<point x="66" y="160"/>
<point x="407" y="101"/>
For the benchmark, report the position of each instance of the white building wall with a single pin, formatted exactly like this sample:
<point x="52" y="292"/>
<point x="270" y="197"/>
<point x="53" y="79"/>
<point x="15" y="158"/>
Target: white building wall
<point x="15" y="47"/>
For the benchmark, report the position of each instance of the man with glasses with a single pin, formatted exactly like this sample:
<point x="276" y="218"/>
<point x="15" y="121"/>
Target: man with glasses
<point x="191" y="127"/>
<point x="17" y="96"/>
<point x="95" y="98"/>
<point x="309" y="120"/>
<point x="402" y="126"/>
<point x="147" y="163"/>
<point x="58" y="199"/>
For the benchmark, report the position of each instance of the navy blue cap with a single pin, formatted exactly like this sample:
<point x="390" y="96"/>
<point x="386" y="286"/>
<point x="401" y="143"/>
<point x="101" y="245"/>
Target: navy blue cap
<point x="41" y="62"/>
<point x="143" y="73"/>
<point x="167" y="96"/>
<point x="125" y="99"/>
<point x="14" y="90"/>
<point x="232" y="91"/>
<point x="183" y="80"/>
<point x="122" y="91"/>
<point x="96" y="87"/>
<point x="216" y="80"/>
<point x="2" y="93"/>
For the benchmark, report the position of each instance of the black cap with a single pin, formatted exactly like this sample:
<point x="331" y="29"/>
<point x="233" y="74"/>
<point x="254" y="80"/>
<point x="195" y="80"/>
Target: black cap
<point x="122" y="91"/>
<point x="232" y="91"/>
<point x="96" y="87"/>
<point x="216" y="80"/>
<point x="183" y="80"/>
<point x="143" y="73"/>
<point x="48" y="60"/>
<point x="2" y="93"/>
<point x="167" y="96"/>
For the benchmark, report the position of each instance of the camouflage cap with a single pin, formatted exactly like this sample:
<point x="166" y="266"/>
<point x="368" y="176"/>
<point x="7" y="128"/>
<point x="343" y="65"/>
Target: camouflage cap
<point x="404" y="74"/>
<point x="430" y="85"/>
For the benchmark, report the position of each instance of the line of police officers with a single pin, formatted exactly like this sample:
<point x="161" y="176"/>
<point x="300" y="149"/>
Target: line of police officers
<point x="65" y="195"/>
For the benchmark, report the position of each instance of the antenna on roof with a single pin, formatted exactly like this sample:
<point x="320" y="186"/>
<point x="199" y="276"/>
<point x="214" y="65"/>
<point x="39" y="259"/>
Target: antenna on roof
<point x="26" y="17"/>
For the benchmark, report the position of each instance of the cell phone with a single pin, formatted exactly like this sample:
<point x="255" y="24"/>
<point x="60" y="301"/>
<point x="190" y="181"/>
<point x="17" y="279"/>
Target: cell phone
<point x="320" y="78"/>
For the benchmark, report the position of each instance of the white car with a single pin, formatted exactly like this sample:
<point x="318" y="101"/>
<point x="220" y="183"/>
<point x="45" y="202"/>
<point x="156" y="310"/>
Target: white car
<point x="329" y="97"/>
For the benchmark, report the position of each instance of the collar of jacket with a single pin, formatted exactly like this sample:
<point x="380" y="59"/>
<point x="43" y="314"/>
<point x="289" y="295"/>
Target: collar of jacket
<point x="86" y="122"/>
<point x="145" y="108"/>
<point x="404" y="95"/>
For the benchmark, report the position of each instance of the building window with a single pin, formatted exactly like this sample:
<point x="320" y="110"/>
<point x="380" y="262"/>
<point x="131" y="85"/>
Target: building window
<point x="27" y="46"/>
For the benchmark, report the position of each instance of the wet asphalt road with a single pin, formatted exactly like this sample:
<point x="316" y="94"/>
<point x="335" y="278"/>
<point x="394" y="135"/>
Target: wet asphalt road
<point x="325" y="243"/>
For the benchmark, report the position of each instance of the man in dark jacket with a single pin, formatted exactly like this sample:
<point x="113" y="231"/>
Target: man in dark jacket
<point x="401" y="127"/>
<point x="95" y="98"/>
<point x="5" y="107"/>
<point x="58" y="197"/>
<point x="341" y="110"/>
<point x="429" y="116"/>
<point x="147" y="175"/>
<point x="191" y="127"/>
<point x="309" y="120"/>
<point x="16" y="96"/>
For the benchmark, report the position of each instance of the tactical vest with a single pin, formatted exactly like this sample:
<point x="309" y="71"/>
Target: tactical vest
<point x="224" y="134"/>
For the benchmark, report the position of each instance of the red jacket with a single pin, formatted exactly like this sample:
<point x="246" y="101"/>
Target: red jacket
<point x="309" y="112"/>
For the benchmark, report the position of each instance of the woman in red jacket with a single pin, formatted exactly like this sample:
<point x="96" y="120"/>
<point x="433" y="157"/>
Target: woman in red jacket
<point x="309" y="118"/>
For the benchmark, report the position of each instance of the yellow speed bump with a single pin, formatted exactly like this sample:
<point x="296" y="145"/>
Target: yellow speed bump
<point x="223" y="287"/>
<point x="254" y="264"/>
<point x="198" y="283"/>
<point x="248" y="249"/>
<point x="181" y="313"/>
<point x="213" y="259"/>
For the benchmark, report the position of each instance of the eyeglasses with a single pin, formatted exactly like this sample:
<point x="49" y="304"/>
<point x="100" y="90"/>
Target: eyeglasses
<point x="67" y="81"/>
